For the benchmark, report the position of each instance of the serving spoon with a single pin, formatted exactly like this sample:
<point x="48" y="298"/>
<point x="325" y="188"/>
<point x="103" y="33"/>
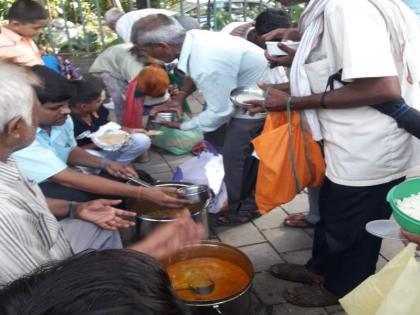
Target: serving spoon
<point x="202" y="287"/>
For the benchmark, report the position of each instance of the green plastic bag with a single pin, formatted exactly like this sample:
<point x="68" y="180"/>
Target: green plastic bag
<point x="176" y="141"/>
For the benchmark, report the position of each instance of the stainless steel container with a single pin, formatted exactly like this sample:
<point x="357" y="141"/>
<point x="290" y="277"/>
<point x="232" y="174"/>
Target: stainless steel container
<point x="145" y="223"/>
<point x="237" y="304"/>
<point x="195" y="193"/>
<point x="167" y="116"/>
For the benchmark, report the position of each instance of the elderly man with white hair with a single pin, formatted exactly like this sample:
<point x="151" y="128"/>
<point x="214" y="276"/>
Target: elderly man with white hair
<point x="30" y="234"/>
<point x="122" y="23"/>
<point x="217" y="63"/>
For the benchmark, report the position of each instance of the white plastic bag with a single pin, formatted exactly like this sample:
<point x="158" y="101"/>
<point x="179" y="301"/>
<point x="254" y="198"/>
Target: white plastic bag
<point x="205" y="169"/>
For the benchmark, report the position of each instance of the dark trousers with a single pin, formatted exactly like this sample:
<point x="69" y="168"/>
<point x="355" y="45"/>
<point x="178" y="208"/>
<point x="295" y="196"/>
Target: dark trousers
<point x="343" y="251"/>
<point x="236" y="150"/>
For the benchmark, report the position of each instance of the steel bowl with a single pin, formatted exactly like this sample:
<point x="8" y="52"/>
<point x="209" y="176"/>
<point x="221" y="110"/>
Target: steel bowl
<point x="167" y="116"/>
<point x="194" y="193"/>
<point x="243" y="94"/>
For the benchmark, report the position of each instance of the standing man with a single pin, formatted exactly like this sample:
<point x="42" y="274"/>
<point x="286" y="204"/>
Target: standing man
<point x="365" y="152"/>
<point x="217" y="63"/>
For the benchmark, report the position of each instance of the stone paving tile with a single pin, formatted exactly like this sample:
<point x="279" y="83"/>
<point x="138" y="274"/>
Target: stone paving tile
<point x="288" y="239"/>
<point x="245" y="234"/>
<point x="258" y="307"/>
<point x="334" y="309"/>
<point x="298" y="257"/>
<point x="165" y="176"/>
<point x="158" y="165"/>
<point x="269" y="289"/>
<point x="273" y="219"/>
<point x="390" y="248"/>
<point x="297" y="205"/>
<point x="176" y="160"/>
<point x="261" y="255"/>
<point x="287" y="308"/>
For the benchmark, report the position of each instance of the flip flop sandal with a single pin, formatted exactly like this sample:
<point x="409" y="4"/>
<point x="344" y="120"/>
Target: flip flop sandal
<point x="295" y="273"/>
<point x="310" y="296"/>
<point x="232" y="219"/>
<point x="297" y="221"/>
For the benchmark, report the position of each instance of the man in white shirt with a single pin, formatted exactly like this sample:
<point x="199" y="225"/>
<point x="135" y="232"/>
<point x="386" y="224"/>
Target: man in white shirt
<point x="217" y="63"/>
<point x="365" y="152"/>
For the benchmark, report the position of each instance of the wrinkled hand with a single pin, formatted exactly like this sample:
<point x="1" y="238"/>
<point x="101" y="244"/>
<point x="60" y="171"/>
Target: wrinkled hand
<point x="171" y="124"/>
<point x="275" y="100"/>
<point x="411" y="237"/>
<point x="285" y="61"/>
<point x="282" y="34"/>
<point x="135" y="130"/>
<point x="120" y="170"/>
<point x="101" y="213"/>
<point x="160" y="196"/>
<point x="169" y="238"/>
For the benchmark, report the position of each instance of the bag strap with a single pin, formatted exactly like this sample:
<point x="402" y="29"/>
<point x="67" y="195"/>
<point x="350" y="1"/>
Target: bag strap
<point x="305" y="148"/>
<point x="291" y="148"/>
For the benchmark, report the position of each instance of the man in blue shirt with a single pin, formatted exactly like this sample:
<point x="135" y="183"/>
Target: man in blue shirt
<point x="46" y="160"/>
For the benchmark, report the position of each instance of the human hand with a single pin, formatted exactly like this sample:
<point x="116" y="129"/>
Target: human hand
<point x="285" y="61"/>
<point x="167" y="239"/>
<point x="411" y="237"/>
<point x="135" y="130"/>
<point x="275" y="100"/>
<point x="120" y="170"/>
<point x="282" y="34"/>
<point x="160" y="195"/>
<point x="101" y="213"/>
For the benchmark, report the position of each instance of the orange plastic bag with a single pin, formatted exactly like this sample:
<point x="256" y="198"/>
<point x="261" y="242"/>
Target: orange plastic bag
<point x="290" y="160"/>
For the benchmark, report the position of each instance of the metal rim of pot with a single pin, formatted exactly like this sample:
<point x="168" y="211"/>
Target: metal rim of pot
<point x="196" y="213"/>
<point x="217" y="303"/>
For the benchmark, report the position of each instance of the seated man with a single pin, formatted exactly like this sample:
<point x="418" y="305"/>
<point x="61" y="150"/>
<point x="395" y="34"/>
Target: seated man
<point x="89" y="284"/>
<point x="89" y="114"/>
<point x="46" y="160"/>
<point x="30" y="235"/>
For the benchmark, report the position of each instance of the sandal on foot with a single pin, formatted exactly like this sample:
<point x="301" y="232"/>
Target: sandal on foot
<point x="297" y="221"/>
<point x="295" y="273"/>
<point x="231" y="219"/>
<point x="310" y="296"/>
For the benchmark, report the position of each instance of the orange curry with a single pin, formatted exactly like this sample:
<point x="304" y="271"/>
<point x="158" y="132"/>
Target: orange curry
<point x="227" y="277"/>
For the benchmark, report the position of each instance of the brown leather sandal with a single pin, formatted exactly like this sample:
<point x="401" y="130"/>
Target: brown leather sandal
<point x="295" y="273"/>
<point x="297" y="221"/>
<point x="310" y="296"/>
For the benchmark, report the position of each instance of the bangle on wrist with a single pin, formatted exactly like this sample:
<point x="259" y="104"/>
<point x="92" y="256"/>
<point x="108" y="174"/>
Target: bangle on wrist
<point x="103" y="164"/>
<point x="322" y="100"/>
<point x="72" y="209"/>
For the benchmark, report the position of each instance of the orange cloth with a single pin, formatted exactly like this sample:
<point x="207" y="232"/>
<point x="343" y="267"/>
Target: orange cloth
<point x="290" y="160"/>
<point x="20" y="49"/>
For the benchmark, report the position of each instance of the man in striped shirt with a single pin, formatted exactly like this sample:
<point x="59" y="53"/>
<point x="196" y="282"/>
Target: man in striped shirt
<point x="30" y="234"/>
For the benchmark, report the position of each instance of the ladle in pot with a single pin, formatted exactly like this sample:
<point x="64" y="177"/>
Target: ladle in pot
<point x="199" y="288"/>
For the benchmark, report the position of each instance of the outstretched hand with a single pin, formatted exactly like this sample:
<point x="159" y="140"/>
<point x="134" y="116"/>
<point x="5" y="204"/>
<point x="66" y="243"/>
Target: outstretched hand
<point x="274" y="100"/>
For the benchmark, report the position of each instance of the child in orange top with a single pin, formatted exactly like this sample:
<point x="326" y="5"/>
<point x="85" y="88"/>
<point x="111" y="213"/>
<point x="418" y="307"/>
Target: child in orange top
<point x="27" y="19"/>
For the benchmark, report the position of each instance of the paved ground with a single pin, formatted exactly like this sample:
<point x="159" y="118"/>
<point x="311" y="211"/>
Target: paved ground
<point x="266" y="242"/>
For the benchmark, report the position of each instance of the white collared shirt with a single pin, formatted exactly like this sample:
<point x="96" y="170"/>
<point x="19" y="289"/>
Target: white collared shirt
<point x="218" y="63"/>
<point x="363" y="147"/>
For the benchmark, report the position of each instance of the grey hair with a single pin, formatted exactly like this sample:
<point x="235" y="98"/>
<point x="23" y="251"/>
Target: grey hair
<point x="112" y="15"/>
<point x="157" y="28"/>
<point x="16" y="93"/>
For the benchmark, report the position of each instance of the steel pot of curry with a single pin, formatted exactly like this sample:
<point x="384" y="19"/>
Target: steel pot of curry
<point x="229" y="272"/>
<point x="151" y="215"/>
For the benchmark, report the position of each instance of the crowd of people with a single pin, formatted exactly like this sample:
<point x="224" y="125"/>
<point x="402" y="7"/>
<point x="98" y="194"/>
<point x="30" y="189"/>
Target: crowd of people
<point x="62" y="195"/>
